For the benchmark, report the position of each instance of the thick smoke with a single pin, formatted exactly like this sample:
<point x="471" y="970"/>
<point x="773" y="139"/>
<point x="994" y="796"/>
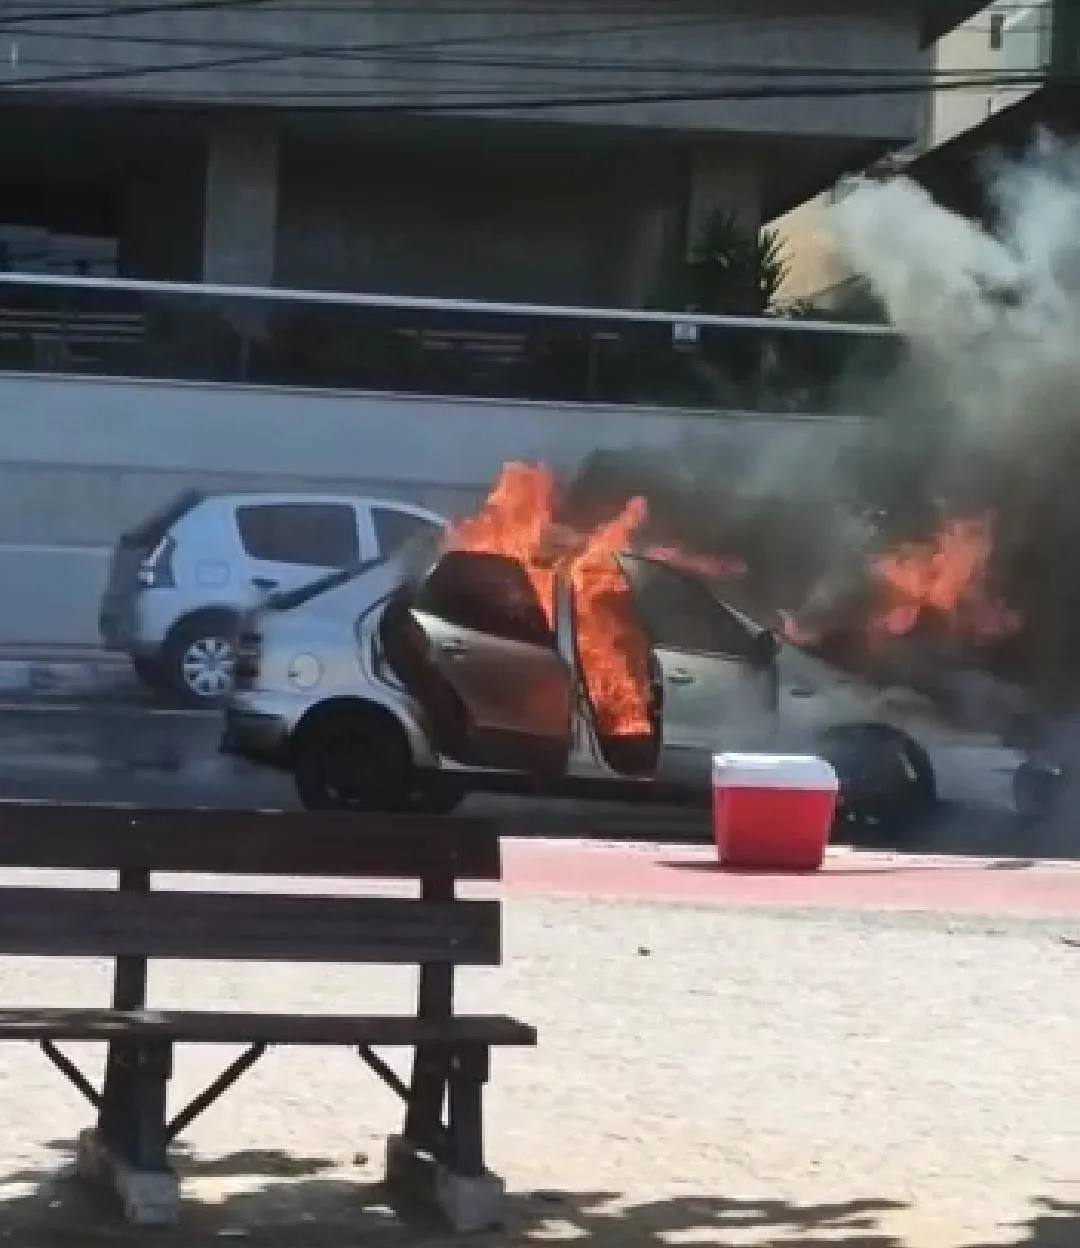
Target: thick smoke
<point x="981" y="414"/>
<point x="992" y="317"/>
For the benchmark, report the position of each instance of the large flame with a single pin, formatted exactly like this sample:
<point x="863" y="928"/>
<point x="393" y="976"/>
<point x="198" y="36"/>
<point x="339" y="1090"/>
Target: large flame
<point x="947" y="573"/>
<point x="518" y="519"/>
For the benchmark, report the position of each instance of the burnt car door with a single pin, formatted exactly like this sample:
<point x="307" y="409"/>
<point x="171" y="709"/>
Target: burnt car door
<point x="716" y="694"/>
<point x="498" y="689"/>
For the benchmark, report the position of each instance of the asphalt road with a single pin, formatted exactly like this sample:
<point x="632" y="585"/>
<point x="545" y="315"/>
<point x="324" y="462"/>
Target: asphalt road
<point x="124" y="749"/>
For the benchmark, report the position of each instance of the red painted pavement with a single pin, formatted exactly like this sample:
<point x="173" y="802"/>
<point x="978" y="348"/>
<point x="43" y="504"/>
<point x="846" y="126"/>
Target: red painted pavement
<point x="848" y="880"/>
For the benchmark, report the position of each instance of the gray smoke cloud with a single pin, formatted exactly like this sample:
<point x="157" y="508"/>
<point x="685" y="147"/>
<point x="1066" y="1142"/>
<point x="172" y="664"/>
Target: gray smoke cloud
<point x="992" y="318"/>
<point x="992" y="382"/>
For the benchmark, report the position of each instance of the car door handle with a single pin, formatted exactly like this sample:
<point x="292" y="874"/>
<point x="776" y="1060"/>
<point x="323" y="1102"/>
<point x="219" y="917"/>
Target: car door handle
<point x="263" y="582"/>
<point x="453" y="648"/>
<point x="802" y="691"/>
<point x="680" y="676"/>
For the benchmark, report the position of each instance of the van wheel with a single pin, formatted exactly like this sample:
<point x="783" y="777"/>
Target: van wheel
<point x="198" y="659"/>
<point x="353" y="764"/>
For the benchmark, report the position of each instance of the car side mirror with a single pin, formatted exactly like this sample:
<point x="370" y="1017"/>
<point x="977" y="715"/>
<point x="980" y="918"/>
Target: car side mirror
<point x="764" y="648"/>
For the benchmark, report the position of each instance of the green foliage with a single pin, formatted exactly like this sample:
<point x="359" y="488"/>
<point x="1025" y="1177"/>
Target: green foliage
<point x="733" y="268"/>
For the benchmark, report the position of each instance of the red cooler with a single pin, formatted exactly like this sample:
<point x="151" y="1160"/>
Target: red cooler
<point x="773" y="812"/>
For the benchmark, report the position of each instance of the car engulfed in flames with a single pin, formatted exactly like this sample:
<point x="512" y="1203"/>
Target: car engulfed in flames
<point x="527" y="655"/>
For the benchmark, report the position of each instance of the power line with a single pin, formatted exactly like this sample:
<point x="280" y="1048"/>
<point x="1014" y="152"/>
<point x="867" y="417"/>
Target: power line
<point x="34" y="14"/>
<point x="321" y="51"/>
<point x="418" y="52"/>
<point x="130" y="10"/>
<point x="473" y="99"/>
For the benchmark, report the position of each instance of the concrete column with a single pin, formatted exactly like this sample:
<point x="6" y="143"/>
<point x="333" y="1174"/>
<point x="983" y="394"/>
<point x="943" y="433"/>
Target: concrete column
<point x="240" y="222"/>
<point x="719" y="178"/>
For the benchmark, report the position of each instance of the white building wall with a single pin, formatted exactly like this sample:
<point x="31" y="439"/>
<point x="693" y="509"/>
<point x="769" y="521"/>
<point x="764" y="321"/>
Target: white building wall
<point x="1006" y="38"/>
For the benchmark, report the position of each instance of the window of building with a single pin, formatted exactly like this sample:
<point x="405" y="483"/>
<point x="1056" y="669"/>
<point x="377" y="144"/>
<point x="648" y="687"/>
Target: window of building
<point x="997" y="31"/>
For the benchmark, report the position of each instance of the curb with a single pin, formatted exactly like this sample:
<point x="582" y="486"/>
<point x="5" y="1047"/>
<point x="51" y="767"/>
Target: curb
<point x="64" y="677"/>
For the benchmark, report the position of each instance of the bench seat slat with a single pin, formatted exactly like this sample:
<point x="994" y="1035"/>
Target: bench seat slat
<point x="181" y="1026"/>
<point x="70" y="922"/>
<point x="246" y="842"/>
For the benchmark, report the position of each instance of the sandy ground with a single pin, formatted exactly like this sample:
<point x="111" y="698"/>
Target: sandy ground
<point x="704" y="1077"/>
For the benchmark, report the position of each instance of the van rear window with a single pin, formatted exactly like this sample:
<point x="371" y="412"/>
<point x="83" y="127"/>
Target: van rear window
<point x="147" y="534"/>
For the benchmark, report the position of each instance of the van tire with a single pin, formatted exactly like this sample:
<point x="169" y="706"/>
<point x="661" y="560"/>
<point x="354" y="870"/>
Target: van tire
<point x="210" y="635"/>
<point x="353" y="761"/>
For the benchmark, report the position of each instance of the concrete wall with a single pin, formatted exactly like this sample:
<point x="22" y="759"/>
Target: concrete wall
<point x="557" y="224"/>
<point x="437" y="55"/>
<point x="82" y="459"/>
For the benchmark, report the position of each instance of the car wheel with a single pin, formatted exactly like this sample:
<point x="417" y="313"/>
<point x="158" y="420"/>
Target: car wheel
<point x="352" y="764"/>
<point x="198" y="660"/>
<point x="887" y="780"/>
<point x="1037" y="791"/>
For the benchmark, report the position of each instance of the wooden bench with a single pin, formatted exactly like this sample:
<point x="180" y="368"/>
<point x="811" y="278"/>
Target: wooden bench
<point x="436" y="931"/>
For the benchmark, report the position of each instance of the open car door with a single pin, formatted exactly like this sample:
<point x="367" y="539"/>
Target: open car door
<point x="489" y="673"/>
<point x="715" y="697"/>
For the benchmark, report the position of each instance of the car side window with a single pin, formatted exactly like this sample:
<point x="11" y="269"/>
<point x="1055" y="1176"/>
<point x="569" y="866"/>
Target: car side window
<point x="394" y="528"/>
<point x="679" y="613"/>
<point x="486" y="593"/>
<point x="321" y="535"/>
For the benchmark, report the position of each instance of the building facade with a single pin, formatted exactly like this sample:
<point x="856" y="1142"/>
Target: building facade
<point x="530" y="150"/>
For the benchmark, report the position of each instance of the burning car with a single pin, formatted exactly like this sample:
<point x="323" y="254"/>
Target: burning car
<point x="588" y="670"/>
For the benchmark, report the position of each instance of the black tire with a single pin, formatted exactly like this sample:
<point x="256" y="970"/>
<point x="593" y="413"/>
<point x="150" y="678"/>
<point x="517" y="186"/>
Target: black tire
<point x="902" y="791"/>
<point x="353" y="762"/>
<point x="1037" y="792"/>
<point x="210" y="636"/>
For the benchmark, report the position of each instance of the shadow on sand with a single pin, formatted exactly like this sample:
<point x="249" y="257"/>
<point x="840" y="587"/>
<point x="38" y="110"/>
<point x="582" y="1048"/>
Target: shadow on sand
<point x="292" y="1201"/>
<point x="306" y="1202"/>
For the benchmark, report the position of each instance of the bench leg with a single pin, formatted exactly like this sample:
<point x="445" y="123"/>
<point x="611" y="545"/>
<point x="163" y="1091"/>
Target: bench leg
<point x="127" y="1151"/>
<point x="453" y="1175"/>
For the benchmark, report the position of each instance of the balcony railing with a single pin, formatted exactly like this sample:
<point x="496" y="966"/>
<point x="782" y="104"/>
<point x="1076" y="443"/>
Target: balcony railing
<point x="438" y="347"/>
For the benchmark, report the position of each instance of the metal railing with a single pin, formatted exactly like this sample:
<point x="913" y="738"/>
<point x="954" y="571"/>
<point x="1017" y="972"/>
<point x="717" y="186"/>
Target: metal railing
<point x="439" y="347"/>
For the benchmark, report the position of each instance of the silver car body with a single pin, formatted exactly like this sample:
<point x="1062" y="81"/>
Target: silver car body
<point x="330" y="652"/>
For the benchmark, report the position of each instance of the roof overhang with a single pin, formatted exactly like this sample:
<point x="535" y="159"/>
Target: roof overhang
<point x="937" y="19"/>
<point x="952" y="172"/>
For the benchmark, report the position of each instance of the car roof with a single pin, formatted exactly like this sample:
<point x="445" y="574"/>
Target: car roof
<point x="256" y="498"/>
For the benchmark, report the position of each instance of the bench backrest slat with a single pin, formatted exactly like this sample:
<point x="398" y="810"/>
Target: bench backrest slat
<point x="110" y="838"/>
<point x="71" y="922"/>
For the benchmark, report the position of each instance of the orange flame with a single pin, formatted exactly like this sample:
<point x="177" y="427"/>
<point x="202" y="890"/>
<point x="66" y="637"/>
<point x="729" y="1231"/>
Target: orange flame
<point x="947" y="573"/>
<point x="517" y="520"/>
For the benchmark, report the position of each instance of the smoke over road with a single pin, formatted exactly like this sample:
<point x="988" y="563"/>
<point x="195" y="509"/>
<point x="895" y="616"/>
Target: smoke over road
<point x="992" y="380"/>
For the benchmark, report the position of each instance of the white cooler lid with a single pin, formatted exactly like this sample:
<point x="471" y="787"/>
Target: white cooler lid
<point x="774" y="771"/>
